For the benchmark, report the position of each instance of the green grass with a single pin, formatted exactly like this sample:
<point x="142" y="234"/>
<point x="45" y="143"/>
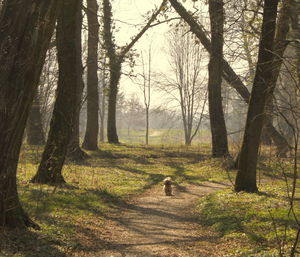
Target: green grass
<point x="170" y="136"/>
<point x="118" y="172"/>
<point x="261" y="221"/>
<point x="94" y="189"/>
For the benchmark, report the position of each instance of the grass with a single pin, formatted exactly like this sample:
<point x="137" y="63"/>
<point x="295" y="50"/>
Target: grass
<point x="263" y="221"/>
<point x="93" y="190"/>
<point x="117" y="172"/>
<point x="169" y="136"/>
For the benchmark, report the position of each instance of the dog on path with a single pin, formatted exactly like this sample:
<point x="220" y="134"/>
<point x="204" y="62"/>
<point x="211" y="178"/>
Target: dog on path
<point x="168" y="186"/>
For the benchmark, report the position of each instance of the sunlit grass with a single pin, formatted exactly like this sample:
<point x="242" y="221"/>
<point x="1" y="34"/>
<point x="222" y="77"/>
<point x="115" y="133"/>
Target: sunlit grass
<point x="115" y="173"/>
<point x="95" y="188"/>
<point x="262" y="220"/>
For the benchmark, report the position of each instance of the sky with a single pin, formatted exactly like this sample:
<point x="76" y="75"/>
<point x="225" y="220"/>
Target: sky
<point x="132" y="12"/>
<point x="128" y="13"/>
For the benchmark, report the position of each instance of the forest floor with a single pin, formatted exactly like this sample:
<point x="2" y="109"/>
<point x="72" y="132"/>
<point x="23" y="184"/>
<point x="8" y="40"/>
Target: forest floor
<point x="113" y="206"/>
<point x="153" y="224"/>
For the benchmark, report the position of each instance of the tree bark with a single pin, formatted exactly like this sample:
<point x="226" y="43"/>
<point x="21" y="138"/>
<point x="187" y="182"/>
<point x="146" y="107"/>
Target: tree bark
<point x="263" y="88"/>
<point x="112" y="134"/>
<point x="228" y="73"/>
<point x="103" y="108"/>
<point x="26" y="28"/>
<point x="65" y="108"/>
<point x="215" y="68"/>
<point x="90" y="141"/>
<point x="74" y="152"/>
<point x="34" y="128"/>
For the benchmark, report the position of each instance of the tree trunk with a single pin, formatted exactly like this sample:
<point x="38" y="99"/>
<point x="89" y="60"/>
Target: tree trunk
<point x="295" y="17"/>
<point x="115" y="63"/>
<point x="115" y="73"/>
<point x="262" y="90"/>
<point x="34" y="128"/>
<point x="112" y="134"/>
<point x="74" y="152"/>
<point x="228" y="73"/>
<point x="215" y="68"/>
<point x="90" y="141"/>
<point x="26" y="29"/>
<point x="103" y="110"/>
<point x="64" y="112"/>
<point x="147" y="125"/>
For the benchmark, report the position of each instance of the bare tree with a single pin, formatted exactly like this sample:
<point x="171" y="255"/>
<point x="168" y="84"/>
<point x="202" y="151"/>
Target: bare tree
<point x="90" y="141"/>
<point x="146" y="89"/>
<point x="215" y="70"/>
<point x="228" y="73"/>
<point x="103" y="98"/>
<point x="66" y="103"/>
<point x="186" y="84"/>
<point x="34" y="129"/>
<point x="115" y="63"/>
<point x="26" y="29"/>
<point x="262" y="90"/>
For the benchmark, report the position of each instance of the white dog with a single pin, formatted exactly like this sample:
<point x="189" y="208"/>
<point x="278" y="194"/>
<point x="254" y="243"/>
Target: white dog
<point x="168" y="186"/>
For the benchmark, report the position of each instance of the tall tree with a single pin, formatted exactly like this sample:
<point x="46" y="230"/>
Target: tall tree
<point x="115" y="63"/>
<point x="26" y="29"/>
<point x="35" y="132"/>
<point x="146" y="89"/>
<point x="215" y="70"/>
<point x="185" y="85"/>
<point x="64" y="113"/>
<point x="74" y="152"/>
<point x="228" y="73"/>
<point x="90" y="141"/>
<point x="103" y="93"/>
<point x="262" y="90"/>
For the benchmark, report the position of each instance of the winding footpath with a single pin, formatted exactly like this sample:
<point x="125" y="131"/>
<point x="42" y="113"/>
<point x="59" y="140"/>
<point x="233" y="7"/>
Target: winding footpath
<point x="157" y="225"/>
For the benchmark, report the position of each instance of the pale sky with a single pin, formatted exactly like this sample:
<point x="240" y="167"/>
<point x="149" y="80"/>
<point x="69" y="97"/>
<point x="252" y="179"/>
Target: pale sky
<point x="131" y="12"/>
<point x="127" y="13"/>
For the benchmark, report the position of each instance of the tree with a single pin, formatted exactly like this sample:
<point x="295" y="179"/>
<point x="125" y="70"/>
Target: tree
<point x="35" y="132"/>
<point x="228" y="73"/>
<point x="103" y="93"/>
<point x="74" y="151"/>
<point x="146" y="88"/>
<point x="185" y="88"/>
<point x="215" y="70"/>
<point x="65" y="108"/>
<point x="26" y="29"/>
<point x="115" y="63"/>
<point x="262" y="90"/>
<point x="90" y="141"/>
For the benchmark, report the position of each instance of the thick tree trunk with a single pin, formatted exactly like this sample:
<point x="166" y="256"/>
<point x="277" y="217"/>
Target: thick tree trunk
<point x="262" y="90"/>
<point x="74" y="152"/>
<point x="115" y="73"/>
<point x="63" y="117"/>
<point x="90" y="141"/>
<point x="215" y="68"/>
<point x="26" y="29"/>
<point x="228" y="73"/>
<point x="295" y="16"/>
<point x="112" y="134"/>
<point x="34" y="128"/>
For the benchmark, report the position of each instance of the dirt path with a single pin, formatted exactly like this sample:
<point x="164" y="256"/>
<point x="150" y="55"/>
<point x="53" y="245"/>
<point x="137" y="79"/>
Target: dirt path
<point x="157" y="225"/>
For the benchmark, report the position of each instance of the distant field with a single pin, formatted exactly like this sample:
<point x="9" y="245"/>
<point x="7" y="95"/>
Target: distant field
<point x="162" y="137"/>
